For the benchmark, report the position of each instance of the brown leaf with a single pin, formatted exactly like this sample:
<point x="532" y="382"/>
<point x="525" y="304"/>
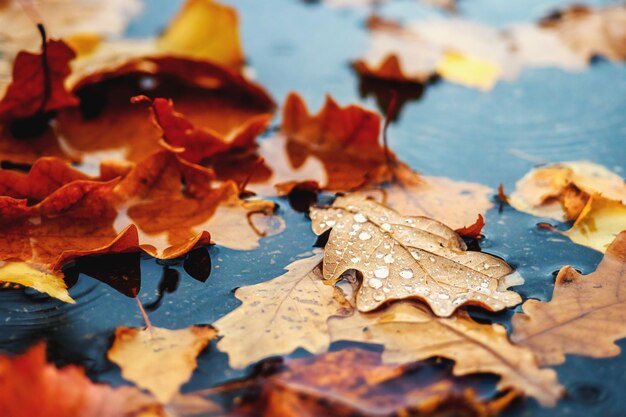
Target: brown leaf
<point x="408" y="257"/>
<point x="472" y="231"/>
<point x="159" y="360"/>
<point x="289" y="312"/>
<point x="410" y="332"/>
<point x="585" y="316"/>
<point x="354" y="382"/>
<point x="65" y="392"/>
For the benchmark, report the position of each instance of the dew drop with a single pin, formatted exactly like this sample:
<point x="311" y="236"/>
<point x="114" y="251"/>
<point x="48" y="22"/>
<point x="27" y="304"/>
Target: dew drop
<point x="386" y="227"/>
<point x="486" y="266"/>
<point x="415" y="254"/>
<point x="443" y="296"/>
<point x="360" y="218"/>
<point x="379" y="297"/>
<point x="381" y="272"/>
<point x="484" y="284"/>
<point x="406" y="273"/>
<point x="375" y="283"/>
<point x="330" y="223"/>
<point x="432" y="259"/>
<point x="422" y="290"/>
<point x="355" y="260"/>
<point x="388" y="258"/>
<point x="365" y="236"/>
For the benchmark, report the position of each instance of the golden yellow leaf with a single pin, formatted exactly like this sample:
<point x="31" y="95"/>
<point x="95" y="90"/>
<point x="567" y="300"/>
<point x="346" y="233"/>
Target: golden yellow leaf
<point x="205" y="29"/>
<point x="585" y="316"/>
<point x="598" y="224"/>
<point x="408" y="257"/>
<point x="288" y="312"/>
<point x="22" y="273"/>
<point x="468" y="70"/>
<point x="159" y="360"/>
<point x="410" y="332"/>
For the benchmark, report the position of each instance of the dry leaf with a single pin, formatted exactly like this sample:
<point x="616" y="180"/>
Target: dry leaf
<point x="477" y="56"/>
<point x="31" y="387"/>
<point x="159" y="360"/>
<point x="163" y="206"/>
<point x="411" y="332"/>
<point x="205" y="29"/>
<point x="589" y="194"/>
<point x="289" y="312"/>
<point x="23" y="274"/>
<point x="63" y="18"/>
<point x="354" y="382"/>
<point x="408" y="257"/>
<point x="585" y="316"/>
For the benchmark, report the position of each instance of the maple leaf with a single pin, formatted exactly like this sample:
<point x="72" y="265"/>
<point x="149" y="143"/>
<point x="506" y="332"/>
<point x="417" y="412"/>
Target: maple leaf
<point x="37" y="83"/>
<point x="585" y="315"/>
<point x="149" y="210"/>
<point x="157" y="359"/>
<point x="589" y="194"/>
<point x="410" y="332"/>
<point x="354" y="382"/>
<point x="408" y="257"/>
<point x="198" y="144"/>
<point x="290" y="311"/>
<point x="65" y="392"/>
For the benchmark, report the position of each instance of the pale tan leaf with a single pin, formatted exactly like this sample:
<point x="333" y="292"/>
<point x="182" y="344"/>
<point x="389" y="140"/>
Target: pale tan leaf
<point x="408" y="257"/>
<point x="281" y="315"/>
<point x="410" y="332"/>
<point x="586" y="315"/>
<point x="159" y="360"/>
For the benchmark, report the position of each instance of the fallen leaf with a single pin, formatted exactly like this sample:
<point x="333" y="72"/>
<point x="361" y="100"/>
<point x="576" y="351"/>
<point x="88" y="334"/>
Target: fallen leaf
<point x="37" y="84"/>
<point x="65" y="392"/>
<point x="157" y="359"/>
<point x="443" y="4"/>
<point x="103" y="18"/>
<point x="591" y="31"/>
<point x="354" y="382"/>
<point x="589" y="194"/>
<point x="198" y="144"/>
<point x="552" y="190"/>
<point x="149" y="209"/>
<point x="408" y="257"/>
<point x="205" y="29"/>
<point x="585" y="315"/>
<point x="28" y="276"/>
<point x="472" y="231"/>
<point x="289" y="312"/>
<point x="410" y="332"/>
<point x="476" y="55"/>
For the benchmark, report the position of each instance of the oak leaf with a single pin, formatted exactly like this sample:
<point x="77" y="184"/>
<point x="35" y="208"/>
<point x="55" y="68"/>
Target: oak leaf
<point x="289" y="312"/>
<point x="65" y="392"/>
<point x="353" y="382"/>
<point x="37" y="84"/>
<point x="410" y="332"/>
<point x="408" y="257"/>
<point x="585" y="316"/>
<point x="157" y="359"/>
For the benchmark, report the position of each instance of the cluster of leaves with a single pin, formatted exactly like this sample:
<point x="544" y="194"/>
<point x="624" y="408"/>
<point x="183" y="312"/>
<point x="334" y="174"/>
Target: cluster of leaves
<point x="151" y="145"/>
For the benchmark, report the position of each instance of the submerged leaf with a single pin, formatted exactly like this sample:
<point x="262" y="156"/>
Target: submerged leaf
<point x="408" y="257"/>
<point x="585" y="316"/>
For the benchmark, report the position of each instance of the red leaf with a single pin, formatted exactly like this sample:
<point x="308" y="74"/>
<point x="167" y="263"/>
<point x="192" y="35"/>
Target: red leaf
<point x="37" y="85"/>
<point x="473" y="231"/>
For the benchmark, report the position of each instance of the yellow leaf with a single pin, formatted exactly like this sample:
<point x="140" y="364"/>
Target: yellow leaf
<point x="598" y="224"/>
<point x="46" y="282"/>
<point x="159" y="360"/>
<point x="205" y="29"/>
<point x="468" y="71"/>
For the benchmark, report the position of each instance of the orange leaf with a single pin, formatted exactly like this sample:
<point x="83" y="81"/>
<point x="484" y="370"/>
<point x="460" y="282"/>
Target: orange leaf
<point x="29" y="386"/>
<point x="473" y="231"/>
<point x="37" y="85"/>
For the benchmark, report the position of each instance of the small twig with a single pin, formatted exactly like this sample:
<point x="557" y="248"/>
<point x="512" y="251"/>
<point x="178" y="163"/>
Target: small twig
<point x="146" y="319"/>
